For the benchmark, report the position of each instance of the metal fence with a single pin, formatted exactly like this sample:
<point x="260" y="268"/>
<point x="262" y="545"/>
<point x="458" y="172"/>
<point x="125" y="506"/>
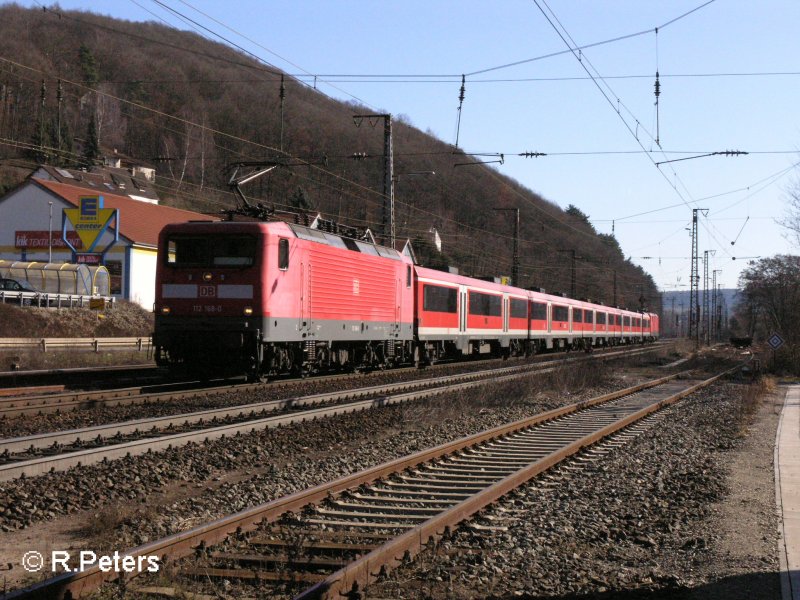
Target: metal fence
<point x="54" y="300"/>
<point x="139" y="344"/>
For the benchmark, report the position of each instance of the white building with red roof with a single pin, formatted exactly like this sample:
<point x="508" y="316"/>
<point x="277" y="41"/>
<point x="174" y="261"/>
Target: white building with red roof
<point x="31" y="230"/>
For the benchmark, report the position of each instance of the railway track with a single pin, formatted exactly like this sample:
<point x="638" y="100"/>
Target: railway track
<point x="34" y="455"/>
<point x="79" y="376"/>
<point x="24" y="405"/>
<point x="332" y="540"/>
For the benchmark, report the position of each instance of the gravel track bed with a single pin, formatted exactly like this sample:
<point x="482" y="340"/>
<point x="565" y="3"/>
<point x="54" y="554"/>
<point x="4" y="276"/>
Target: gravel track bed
<point x="284" y="459"/>
<point x="77" y="419"/>
<point x="643" y="523"/>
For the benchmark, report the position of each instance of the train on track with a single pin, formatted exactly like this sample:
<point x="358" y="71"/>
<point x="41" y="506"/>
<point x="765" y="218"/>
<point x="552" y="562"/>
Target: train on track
<point x="269" y="298"/>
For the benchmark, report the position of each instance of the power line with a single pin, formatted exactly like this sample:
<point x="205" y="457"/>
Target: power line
<point x="203" y="127"/>
<point x="592" y="45"/>
<point x="252" y="41"/>
<point x="376" y="78"/>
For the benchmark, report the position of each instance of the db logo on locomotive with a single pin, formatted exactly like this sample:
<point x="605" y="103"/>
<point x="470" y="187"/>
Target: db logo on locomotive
<point x="208" y="291"/>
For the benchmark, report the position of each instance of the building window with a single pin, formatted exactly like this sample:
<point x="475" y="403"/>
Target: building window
<point x="115" y="276"/>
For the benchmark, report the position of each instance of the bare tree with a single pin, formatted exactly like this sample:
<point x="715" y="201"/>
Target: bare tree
<point x="770" y="301"/>
<point x="792" y="220"/>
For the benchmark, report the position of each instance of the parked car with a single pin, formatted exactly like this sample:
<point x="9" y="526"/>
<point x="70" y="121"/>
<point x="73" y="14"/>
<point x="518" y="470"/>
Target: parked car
<point x="15" y="290"/>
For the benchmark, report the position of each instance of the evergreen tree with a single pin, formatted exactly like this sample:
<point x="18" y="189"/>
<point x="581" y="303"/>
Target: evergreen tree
<point x="577" y="213"/>
<point x="300" y="199"/>
<point x="91" y="147"/>
<point x="38" y="150"/>
<point x="62" y="142"/>
<point x="88" y="65"/>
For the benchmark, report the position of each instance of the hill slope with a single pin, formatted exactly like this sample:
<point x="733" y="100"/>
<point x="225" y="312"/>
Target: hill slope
<point x="191" y="107"/>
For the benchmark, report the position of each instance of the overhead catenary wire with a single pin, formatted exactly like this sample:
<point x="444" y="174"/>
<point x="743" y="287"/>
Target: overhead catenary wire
<point x="239" y="47"/>
<point x="399" y="79"/>
<point x="369" y="191"/>
<point x="583" y="61"/>
<point x="592" y="45"/>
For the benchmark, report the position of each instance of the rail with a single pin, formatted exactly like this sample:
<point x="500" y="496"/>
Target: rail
<point x="340" y="583"/>
<point x="70" y="451"/>
<point x="140" y="344"/>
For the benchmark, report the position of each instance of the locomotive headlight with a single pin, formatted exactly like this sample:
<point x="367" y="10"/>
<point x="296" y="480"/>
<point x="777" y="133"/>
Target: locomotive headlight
<point x="165" y="310"/>
<point x="206" y="276"/>
<point x="248" y="311"/>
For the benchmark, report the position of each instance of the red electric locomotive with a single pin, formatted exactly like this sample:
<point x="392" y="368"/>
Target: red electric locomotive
<point x="268" y="298"/>
<point x="265" y="298"/>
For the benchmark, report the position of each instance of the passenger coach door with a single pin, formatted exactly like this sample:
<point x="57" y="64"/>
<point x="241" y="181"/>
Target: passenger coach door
<point x="462" y="318"/>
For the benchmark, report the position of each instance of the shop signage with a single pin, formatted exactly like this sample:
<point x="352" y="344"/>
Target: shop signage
<point x="90" y="219"/>
<point x="89" y="259"/>
<point x="41" y="239"/>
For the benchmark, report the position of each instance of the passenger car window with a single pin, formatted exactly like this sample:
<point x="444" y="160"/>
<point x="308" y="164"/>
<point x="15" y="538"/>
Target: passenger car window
<point x="538" y="311"/>
<point x="439" y="299"/>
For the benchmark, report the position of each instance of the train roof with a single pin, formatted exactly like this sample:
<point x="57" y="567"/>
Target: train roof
<point x="426" y="273"/>
<point x="302" y="232"/>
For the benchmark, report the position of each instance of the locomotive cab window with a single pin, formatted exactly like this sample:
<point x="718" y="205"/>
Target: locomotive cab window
<point x="439" y="299"/>
<point x="283" y="254"/>
<point x="211" y="251"/>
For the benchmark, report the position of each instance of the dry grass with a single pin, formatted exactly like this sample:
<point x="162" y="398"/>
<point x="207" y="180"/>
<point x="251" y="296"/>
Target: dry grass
<point x="761" y="389"/>
<point x="554" y="387"/>
<point x="124" y="320"/>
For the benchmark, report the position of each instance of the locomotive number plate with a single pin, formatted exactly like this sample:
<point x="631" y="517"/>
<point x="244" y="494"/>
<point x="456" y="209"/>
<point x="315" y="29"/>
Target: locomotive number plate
<point x="207" y="308"/>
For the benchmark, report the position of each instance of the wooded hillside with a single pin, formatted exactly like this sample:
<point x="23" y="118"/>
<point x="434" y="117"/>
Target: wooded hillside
<point x="189" y="107"/>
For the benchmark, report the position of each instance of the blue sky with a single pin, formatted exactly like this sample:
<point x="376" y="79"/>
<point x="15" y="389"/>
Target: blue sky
<point x="729" y="77"/>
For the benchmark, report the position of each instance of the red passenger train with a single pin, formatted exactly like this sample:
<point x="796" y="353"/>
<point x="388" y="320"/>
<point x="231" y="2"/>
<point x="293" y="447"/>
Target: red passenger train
<point x="266" y="298"/>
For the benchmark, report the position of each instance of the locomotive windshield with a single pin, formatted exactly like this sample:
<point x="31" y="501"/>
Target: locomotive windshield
<point x="211" y="251"/>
